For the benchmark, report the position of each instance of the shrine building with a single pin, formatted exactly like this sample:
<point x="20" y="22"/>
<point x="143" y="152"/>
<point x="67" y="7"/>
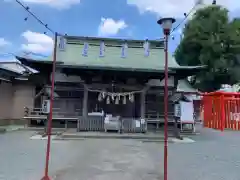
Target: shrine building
<point x="96" y="77"/>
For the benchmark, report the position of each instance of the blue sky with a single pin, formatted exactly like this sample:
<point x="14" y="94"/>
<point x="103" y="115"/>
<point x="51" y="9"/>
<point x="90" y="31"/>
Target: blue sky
<point x="134" y="19"/>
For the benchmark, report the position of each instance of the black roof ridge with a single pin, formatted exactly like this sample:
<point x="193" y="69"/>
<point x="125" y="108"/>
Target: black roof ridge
<point x="111" y="39"/>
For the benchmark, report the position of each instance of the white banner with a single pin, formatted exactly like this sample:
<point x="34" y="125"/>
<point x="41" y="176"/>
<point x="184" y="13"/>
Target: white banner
<point x="62" y="43"/>
<point x="146" y="47"/>
<point x="102" y="49"/>
<point x="85" y="49"/>
<point x="187" y="111"/>
<point x="124" y="50"/>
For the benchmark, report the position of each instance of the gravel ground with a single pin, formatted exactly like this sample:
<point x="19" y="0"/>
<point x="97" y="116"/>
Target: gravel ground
<point x="214" y="156"/>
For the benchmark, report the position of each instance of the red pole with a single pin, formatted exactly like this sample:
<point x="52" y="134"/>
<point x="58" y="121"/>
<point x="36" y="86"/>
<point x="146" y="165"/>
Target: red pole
<point x="222" y="116"/>
<point x="166" y="107"/>
<point x="49" y="129"/>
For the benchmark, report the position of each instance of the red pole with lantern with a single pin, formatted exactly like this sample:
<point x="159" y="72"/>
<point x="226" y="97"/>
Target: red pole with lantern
<point x="49" y="127"/>
<point x="166" y="24"/>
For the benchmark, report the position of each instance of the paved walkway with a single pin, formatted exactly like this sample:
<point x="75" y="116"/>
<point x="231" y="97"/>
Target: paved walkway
<point x="214" y="156"/>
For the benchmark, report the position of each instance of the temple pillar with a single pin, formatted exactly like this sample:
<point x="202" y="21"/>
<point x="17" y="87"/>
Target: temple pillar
<point x="176" y="131"/>
<point x="84" y="107"/>
<point x="143" y="104"/>
<point x="85" y="103"/>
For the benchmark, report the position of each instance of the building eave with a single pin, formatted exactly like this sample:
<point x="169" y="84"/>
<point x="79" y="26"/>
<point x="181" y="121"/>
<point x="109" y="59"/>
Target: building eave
<point x="39" y="65"/>
<point x="179" y="68"/>
<point x="17" y="67"/>
<point x="9" y="72"/>
<point x="7" y="75"/>
<point x="185" y="71"/>
<point x="46" y="66"/>
<point x="185" y="87"/>
<point x="26" y="60"/>
<point x="114" y="68"/>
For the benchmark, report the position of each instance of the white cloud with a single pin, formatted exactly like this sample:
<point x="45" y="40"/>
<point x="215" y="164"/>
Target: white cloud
<point x="176" y="8"/>
<point x="110" y="27"/>
<point x="60" y="4"/>
<point x="4" y="42"/>
<point x="37" y="42"/>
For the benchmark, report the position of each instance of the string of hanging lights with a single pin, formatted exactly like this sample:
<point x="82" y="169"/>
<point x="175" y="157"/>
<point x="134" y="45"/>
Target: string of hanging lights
<point x="26" y="8"/>
<point x="60" y="36"/>
<point x="186" y="15"/>
<point x="214" y="2"/>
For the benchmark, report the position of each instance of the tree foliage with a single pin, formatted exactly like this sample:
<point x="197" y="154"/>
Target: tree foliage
<point x="211" y="39"/>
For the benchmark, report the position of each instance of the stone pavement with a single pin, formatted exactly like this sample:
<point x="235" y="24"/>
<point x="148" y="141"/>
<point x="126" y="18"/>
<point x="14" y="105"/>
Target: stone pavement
<point x="214" y="156"/>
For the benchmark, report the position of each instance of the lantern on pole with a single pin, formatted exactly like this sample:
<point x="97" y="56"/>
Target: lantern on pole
<point x="166" y="24"/>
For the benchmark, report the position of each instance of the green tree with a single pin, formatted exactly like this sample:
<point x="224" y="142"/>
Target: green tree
<point x="211" y="39"/>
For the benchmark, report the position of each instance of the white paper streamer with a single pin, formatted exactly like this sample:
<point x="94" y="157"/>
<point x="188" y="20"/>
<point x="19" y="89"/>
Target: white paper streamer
<point x="100" y="97"/>
<point x="146" y="47"/>
<point x="62" y="43"/>
<point x="117" y="101"/>
<point x="124" y="50"/>
<point x="102" y="49"/>
<point x="108" y="100"/>
<point x="124" y="99"/>
<point x="85" y="49"/>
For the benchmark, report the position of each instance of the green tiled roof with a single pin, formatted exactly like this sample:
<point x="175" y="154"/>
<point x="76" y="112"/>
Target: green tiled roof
<point x="135" y="59"/>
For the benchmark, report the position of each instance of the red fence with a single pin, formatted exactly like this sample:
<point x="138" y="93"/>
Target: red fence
<point x="221" y="110"/>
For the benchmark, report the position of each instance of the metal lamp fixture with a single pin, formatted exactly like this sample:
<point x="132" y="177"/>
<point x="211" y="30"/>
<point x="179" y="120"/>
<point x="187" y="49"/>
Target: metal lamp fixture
<point x="166" y="24"/>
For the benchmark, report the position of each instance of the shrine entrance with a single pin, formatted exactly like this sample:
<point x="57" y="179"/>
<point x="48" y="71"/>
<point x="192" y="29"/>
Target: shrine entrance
<point x="117" y="106"/>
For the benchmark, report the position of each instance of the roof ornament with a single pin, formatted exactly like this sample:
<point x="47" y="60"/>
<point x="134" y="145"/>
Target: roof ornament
<point x="146" y="47"/>
<point x="102" y="49"/>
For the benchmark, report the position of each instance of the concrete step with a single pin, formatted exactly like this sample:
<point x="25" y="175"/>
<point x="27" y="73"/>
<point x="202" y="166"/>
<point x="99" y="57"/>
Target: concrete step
<point x="90" y="135"/>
